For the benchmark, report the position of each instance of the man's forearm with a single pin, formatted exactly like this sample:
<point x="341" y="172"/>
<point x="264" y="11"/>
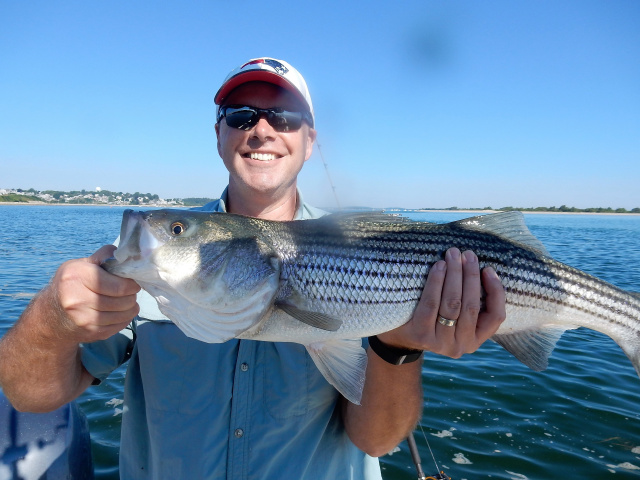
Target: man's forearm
<point x="40" y="370"/>
<point x="390" y="408"/>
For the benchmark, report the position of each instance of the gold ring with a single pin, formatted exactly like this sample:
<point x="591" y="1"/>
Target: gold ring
<point x="446" y="321"/>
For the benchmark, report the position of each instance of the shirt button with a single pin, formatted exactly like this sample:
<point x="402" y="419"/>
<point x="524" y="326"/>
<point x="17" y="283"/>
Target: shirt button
<point x="244" y="367"/>
<point x="238" y="433"/>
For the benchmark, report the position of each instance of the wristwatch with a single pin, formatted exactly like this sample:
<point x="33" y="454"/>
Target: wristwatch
<point x="393" y="355"/>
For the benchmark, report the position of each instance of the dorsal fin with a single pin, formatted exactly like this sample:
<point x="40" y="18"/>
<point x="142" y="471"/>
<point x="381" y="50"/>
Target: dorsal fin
<point x="509" y="225"/>
<point x="374" y="216"/>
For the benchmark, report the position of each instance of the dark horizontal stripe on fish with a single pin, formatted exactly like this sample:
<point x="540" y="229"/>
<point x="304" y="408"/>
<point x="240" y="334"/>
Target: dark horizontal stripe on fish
<point x="554" y="292"/>
<point x="331" y="286"/>
<point x="356" y="273"/>
<point x="350" y="301"/>
<point x="377" y="253"/>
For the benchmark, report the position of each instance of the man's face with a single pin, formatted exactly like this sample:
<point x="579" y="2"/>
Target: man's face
<point x="262" y="159"/>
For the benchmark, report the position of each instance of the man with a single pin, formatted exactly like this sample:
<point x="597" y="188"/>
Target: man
<point x="240" y="409"/>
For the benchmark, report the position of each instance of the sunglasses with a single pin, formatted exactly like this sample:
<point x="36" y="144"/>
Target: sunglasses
<point x="245" y="117"/>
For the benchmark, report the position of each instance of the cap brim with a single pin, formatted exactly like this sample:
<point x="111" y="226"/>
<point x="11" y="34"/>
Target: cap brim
<point x="255" y="76"/>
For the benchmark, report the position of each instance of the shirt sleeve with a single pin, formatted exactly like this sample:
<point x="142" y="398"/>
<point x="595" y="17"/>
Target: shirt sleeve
<point x="103" y="357"/>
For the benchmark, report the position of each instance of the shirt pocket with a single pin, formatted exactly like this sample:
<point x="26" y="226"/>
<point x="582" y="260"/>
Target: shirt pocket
<point x="292" y="383"/>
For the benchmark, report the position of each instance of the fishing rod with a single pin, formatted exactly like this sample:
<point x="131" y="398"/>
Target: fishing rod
<point x="326" y="169"/>
<point x="415" y="456"/>
<point x="411" y="441"/>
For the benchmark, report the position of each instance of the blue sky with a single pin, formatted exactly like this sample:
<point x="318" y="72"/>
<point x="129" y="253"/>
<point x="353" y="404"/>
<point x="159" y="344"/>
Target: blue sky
<point x="418" y="103"/>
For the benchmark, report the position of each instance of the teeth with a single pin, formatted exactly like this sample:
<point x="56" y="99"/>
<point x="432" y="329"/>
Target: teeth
<point x="263" y="157"/>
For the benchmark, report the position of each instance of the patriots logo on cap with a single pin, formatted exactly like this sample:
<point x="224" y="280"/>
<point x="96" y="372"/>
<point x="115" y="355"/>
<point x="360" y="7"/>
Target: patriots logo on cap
<point x="276" y="65"/>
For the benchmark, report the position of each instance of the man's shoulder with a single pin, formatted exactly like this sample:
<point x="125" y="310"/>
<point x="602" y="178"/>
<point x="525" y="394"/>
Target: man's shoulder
<point x="213" y="206"/>
<point x="309" y="212"/>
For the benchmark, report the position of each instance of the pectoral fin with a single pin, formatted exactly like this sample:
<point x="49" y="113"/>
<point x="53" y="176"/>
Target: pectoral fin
<point x="343" y="363"/>
<point x="314" y="319"/>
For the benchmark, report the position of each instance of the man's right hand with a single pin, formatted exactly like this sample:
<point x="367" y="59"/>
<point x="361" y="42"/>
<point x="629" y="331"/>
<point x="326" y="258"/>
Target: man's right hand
<point x="40" y="365"/>
<point x="93" y="303"/>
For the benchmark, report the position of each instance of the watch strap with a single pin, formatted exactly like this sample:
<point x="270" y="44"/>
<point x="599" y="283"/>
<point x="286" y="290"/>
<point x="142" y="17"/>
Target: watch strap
<point x="393" y="355"/>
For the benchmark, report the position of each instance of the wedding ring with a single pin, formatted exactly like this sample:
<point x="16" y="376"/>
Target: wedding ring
<point x="446" y="321"/>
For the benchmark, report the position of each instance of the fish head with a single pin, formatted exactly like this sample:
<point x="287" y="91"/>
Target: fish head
<point x="165" y="244"/>
<point x="199" y="266"/>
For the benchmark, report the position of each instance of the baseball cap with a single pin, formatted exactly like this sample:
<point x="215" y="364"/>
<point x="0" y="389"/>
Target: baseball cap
<point x="269" y="70"/>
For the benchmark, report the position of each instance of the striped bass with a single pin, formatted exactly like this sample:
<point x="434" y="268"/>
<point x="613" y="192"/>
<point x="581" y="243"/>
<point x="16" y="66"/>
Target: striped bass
<point x="327" y="283"/>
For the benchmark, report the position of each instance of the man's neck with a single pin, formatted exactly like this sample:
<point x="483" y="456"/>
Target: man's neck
<point x="280" y="207"/>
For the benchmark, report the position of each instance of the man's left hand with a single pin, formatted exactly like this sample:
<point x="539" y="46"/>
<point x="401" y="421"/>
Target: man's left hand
<point x="453" y="290"/>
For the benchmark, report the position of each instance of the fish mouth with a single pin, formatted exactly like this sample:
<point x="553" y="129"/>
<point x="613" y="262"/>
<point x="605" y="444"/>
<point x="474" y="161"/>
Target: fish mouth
<point x="136" y="241"/>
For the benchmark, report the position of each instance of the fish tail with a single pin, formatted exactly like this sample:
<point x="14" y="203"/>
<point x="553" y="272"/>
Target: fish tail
<point x="631" y="347"/>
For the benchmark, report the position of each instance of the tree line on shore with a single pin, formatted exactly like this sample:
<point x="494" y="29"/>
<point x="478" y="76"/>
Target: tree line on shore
<point x="99" y="196"/>
<point x="560" y="209"/>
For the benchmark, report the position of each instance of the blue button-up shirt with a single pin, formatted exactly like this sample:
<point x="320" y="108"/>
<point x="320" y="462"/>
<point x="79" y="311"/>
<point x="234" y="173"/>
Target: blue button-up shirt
<point x="241" y="409"/>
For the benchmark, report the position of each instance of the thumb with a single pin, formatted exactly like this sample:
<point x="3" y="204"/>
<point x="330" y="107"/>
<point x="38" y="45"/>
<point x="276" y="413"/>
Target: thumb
<point x="102" y="254"/>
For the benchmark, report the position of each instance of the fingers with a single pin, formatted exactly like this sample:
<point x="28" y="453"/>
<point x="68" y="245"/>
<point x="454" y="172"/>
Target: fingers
<point x="471" y="293"/>
<point x="103" y="253"/>
<point x="490" y="320"/>
<point x="106" y="283"/>
<point x="460" y="302"/>
<point x="453" y="289"/>
<point x="430" y="300"/>
<point x="419" y="332"/>
<point x="94" y="304"/>
<point x="451" y="300"/>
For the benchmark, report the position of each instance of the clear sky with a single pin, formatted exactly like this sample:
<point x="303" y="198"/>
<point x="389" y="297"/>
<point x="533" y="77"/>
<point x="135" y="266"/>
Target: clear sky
<point x="418" y="104"/>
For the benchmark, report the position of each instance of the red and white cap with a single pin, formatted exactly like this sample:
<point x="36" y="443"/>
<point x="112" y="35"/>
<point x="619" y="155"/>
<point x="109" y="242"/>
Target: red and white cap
<point x="269" y="70"/>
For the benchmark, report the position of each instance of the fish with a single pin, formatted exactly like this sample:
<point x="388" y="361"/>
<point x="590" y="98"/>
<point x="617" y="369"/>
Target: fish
<point x="327" y="283"/>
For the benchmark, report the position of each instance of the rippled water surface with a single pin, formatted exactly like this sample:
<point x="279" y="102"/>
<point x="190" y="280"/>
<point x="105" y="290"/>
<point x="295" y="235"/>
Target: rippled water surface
<point x="485" y="415"/>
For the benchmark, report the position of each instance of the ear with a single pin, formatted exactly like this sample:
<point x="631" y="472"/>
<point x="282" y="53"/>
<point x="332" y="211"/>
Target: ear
<point x="218" y="139"/>
<point x="311" y="138"/>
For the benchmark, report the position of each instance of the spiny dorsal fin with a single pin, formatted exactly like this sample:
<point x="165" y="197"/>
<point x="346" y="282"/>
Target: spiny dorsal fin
<point x="374" y="216"/>
<point x="506" y="224"/>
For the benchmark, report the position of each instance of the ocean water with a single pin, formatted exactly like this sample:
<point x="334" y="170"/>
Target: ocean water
<point x="485" y="415"/>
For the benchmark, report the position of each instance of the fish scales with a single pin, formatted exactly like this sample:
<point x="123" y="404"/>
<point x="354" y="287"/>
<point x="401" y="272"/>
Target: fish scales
<point x="329" y="263"/>
<point x="326" y="283"/>
<point x="530" y="280"/>
<point x="399" y="256"/>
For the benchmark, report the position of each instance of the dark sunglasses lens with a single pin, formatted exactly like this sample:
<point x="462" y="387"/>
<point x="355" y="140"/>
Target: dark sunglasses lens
<point x="285" y="121"/>
<point x="242" y="118"/>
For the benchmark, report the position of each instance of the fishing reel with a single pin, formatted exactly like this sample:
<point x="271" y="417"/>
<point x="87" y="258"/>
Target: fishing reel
<point x="413" y="448"/>
<point x="437" y="476"/>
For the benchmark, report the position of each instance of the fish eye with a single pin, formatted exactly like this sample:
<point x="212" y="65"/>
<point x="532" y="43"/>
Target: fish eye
<point x="177" y="228"/>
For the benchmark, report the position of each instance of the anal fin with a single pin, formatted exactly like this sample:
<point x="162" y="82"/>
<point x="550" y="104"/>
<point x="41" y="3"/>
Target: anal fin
<point x="532" y="347"/>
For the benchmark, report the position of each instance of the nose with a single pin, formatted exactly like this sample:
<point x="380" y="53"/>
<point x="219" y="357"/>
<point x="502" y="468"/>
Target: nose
<point x="263" y="130"/>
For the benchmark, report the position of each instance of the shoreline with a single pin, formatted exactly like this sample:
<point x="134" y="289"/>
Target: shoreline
<point x="524" y="212"/>
<point x="419" y="210"/>
<point x="45" y="204"/>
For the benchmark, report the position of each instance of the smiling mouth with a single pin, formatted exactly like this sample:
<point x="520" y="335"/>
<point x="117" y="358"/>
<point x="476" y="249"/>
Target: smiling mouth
<point x="262" y="157"/>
